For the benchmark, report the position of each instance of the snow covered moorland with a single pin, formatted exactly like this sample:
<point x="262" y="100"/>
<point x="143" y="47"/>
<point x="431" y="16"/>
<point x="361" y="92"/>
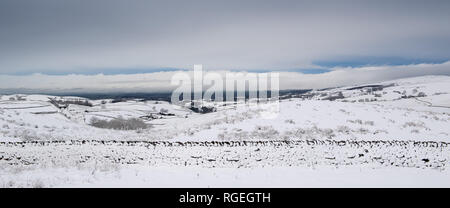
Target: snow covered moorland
<point x="393" y="133"/>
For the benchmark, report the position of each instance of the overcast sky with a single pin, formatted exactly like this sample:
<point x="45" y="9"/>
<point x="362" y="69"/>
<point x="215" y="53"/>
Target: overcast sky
<point x="89" y="37"/>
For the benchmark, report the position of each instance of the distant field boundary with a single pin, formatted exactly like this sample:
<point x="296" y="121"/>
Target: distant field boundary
<point x="431" y="104"/>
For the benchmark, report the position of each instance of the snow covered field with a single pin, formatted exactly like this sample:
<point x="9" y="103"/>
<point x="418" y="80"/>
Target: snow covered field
<point x="394" y="133"/>
<point x="279" y="177"/>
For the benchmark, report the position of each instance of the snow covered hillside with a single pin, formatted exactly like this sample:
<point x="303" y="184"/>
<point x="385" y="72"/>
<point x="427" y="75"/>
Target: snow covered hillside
<point x="393" y="125"/>
<point x="408" y="109"/>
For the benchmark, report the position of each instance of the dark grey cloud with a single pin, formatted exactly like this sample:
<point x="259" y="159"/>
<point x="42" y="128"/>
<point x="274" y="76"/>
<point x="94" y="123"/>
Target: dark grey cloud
<point x="77" y="35"/>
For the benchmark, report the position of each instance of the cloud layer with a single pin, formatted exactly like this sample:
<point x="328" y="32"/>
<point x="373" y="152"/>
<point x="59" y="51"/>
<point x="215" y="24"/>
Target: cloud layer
<point x="160" y="81"/>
